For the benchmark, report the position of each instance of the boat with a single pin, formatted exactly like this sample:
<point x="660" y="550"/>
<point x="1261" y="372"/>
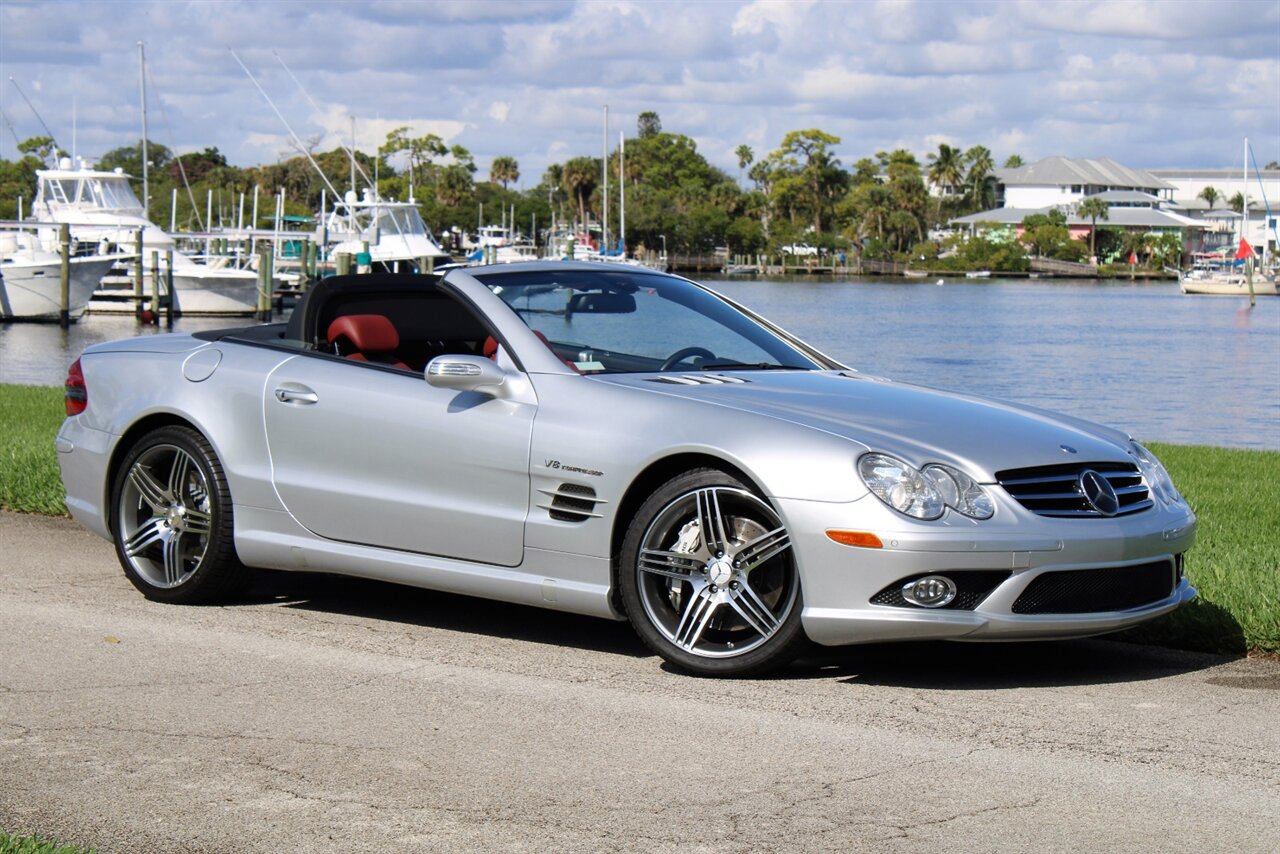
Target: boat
<point x="1216" y="274"/>
<point x="31" y="279"/>
<point x="978" y="274"/>
<point x="497" y="244"/>
<point x="915" y="274"/>
<point x="1223" y="274"/>
<point x="103" y="211"/>
<point x="397" y="238"/>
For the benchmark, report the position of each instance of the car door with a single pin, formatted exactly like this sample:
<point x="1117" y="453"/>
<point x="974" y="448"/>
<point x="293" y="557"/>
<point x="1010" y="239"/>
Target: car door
<point x="377" y="457"/>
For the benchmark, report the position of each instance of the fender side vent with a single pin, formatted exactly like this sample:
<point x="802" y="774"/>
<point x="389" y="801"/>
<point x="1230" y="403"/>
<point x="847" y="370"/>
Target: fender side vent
<point x="571" y="502"/>
<point x="700" y="379"/>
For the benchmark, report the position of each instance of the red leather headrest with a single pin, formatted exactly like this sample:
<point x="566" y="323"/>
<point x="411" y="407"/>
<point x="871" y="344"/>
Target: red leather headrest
<point x="368" y="333"/>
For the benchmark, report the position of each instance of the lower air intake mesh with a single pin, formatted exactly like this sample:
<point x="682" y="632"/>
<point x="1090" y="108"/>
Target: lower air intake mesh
<point x="1088" y="591"/>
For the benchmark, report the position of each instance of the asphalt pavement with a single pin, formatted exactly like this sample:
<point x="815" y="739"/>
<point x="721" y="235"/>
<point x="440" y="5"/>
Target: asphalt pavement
<point x="330" y="714"/>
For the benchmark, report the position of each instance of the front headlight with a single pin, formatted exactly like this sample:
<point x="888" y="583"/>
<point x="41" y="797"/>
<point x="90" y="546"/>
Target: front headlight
<point x="1155" y="474"/>
<point x="924" y="494"/>
<point x="901" y="487"/>
<point x="960" y="492"/>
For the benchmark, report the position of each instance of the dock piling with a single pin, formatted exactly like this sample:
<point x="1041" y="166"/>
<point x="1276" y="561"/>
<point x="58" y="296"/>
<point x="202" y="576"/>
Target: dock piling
<point x="168" y="285"/>
<point x="137" y="275"/>
<point x="265" y="261"/>
<point x="64" y="249"/>
<point x="155" y="287"/>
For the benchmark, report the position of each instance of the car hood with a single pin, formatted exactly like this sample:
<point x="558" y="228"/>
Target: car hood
<point x="917" y="423"/>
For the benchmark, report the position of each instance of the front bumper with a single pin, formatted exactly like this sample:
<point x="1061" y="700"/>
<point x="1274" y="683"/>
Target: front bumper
<point x="839" y="581"/>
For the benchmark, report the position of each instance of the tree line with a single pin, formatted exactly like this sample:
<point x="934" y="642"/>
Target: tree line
<point x="880" y="206"/>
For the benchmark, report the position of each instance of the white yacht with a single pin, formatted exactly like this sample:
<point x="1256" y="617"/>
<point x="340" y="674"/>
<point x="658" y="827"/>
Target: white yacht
<point x="395" y="232"/>
<point x="102" y="210"/>
<point x="31" y="277"/>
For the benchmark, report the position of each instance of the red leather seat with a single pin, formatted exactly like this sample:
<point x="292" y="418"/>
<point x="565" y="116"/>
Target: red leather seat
<point x="366" y="338"/>
<point x="490" y="349"/>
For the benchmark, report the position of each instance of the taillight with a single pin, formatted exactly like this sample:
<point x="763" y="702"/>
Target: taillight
<point x="77" y="393"/>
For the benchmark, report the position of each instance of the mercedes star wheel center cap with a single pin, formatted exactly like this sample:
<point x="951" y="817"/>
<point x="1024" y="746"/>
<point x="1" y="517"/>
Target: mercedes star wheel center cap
<point x="720" y="571"/>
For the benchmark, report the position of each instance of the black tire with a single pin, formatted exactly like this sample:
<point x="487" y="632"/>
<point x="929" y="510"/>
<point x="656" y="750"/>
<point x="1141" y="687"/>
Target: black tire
<point x="728" y="605"/>
<point x="171" y="520"/>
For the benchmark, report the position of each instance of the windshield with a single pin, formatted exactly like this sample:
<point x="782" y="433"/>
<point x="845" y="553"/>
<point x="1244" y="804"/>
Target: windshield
<point x="113" y="194"/>
<point x="392" y="221"/>
<point x="622" y="322"/>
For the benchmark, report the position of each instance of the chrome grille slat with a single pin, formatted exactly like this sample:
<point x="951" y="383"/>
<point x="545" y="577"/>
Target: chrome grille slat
<point x="1052" y="491"/>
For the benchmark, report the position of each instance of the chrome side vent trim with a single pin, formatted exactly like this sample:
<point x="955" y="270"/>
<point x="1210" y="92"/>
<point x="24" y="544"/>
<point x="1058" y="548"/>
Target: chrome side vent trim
<point x="571" y="502"/>
<point x="700" y="379"/>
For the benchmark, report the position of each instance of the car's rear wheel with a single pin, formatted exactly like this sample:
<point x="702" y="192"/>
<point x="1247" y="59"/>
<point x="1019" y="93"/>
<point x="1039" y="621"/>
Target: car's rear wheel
<point x="709" y="578"/>
<point x="171" y="519"/>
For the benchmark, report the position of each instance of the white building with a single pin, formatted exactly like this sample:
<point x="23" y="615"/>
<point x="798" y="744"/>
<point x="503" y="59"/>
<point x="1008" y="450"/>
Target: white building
<point x="1261" y="189"/>
<point x="1063" y="182"/>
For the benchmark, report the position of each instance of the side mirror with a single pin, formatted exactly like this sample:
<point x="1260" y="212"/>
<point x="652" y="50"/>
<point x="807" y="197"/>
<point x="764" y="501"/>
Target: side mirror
<point x="467" y="373"/>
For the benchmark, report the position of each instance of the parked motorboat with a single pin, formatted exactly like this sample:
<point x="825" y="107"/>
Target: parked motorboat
<point x="31" y="279"/>
<point x="397" y="237"/>
<point x="104" y="212"/>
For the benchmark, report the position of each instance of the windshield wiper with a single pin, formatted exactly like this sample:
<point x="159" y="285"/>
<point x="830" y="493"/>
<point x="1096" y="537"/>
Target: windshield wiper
<point x="749" y="366"/>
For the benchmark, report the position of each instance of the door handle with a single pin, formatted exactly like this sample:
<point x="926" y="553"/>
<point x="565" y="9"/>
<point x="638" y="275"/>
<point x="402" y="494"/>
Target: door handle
<point x="289" y="395"/>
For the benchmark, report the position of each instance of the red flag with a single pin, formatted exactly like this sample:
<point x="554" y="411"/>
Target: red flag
<point x="1245" y="250"/>
<point x="1133" y="257"/>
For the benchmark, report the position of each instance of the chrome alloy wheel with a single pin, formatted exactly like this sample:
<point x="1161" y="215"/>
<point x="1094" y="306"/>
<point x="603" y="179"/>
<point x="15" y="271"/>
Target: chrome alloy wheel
<point x="716" y="573"/>
<point x="164" y="517"/>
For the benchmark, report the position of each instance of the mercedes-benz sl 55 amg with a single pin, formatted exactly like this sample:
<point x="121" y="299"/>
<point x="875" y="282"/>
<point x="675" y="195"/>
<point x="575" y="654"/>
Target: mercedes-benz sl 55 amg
<point x="612" y="441"/>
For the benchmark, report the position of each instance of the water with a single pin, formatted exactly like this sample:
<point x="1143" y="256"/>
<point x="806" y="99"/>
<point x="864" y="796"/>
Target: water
<point x="1162" y="365"/>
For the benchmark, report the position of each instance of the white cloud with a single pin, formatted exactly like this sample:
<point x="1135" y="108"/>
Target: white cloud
<point x="499" y="110"/>
<point x="1148" y="82"/>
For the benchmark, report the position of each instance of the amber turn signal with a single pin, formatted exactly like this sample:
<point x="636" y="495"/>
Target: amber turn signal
<point x="855" y="538"/>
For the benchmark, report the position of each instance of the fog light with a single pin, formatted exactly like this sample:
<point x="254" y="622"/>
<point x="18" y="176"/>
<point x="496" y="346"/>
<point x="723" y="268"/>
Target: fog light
<point x="932" y="591"/>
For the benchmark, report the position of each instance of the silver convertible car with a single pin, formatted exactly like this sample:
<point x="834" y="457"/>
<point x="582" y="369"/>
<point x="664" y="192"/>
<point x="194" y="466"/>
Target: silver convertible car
<point x="611" y="441"/>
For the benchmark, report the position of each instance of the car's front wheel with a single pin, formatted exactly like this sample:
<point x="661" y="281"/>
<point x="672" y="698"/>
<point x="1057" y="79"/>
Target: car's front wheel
<point x="709" y="578"/>
<point x="171" y="519"/>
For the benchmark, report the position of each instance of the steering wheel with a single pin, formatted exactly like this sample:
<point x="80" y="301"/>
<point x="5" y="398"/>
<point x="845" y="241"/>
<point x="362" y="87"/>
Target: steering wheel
<point x="685" y="353"/>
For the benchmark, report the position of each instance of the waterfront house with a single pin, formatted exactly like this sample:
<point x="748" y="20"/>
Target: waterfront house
<point x="1137" y="200"/>
<point x="1261" y="188"/>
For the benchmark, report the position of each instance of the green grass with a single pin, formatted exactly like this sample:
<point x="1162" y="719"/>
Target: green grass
<point x="11" y="844"/>
<point x="1236" y="495"/>
<point x="1235" y="564"/>
<point x="29" y="419"/>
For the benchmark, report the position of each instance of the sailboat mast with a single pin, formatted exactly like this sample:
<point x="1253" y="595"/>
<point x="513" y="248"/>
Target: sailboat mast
<point x="604" y="196"/>
<point x="622" y="194"/>
<point x="1244" y="192"/>
<point x="142" y="85"/>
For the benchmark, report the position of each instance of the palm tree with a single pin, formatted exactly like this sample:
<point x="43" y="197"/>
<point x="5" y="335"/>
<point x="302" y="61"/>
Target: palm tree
<point x="1236" y="203"/>
<point x="946" y="168"/>
<point x="903" y="225"/>
<point x="1013" y="161"/>
<point x="1095" y="209"/>
<point x="1210" y="195"/>
<point x="504" y="170"/>
<point x="875" y="204"/>
<point x="745" y="158"/>
<point x="580" y="178"/>
<point x="1133" y="244"/>
<point x="980" y="166"/>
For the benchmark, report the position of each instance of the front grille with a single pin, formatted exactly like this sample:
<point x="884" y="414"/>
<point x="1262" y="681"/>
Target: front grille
<point x="972" y="586"/>
<point x="1087" y="591"/>
<point x="1055" y="490"/>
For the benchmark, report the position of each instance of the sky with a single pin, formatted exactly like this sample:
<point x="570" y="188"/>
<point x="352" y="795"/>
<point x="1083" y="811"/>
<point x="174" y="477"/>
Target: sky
<point x="1149" y="83"/>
